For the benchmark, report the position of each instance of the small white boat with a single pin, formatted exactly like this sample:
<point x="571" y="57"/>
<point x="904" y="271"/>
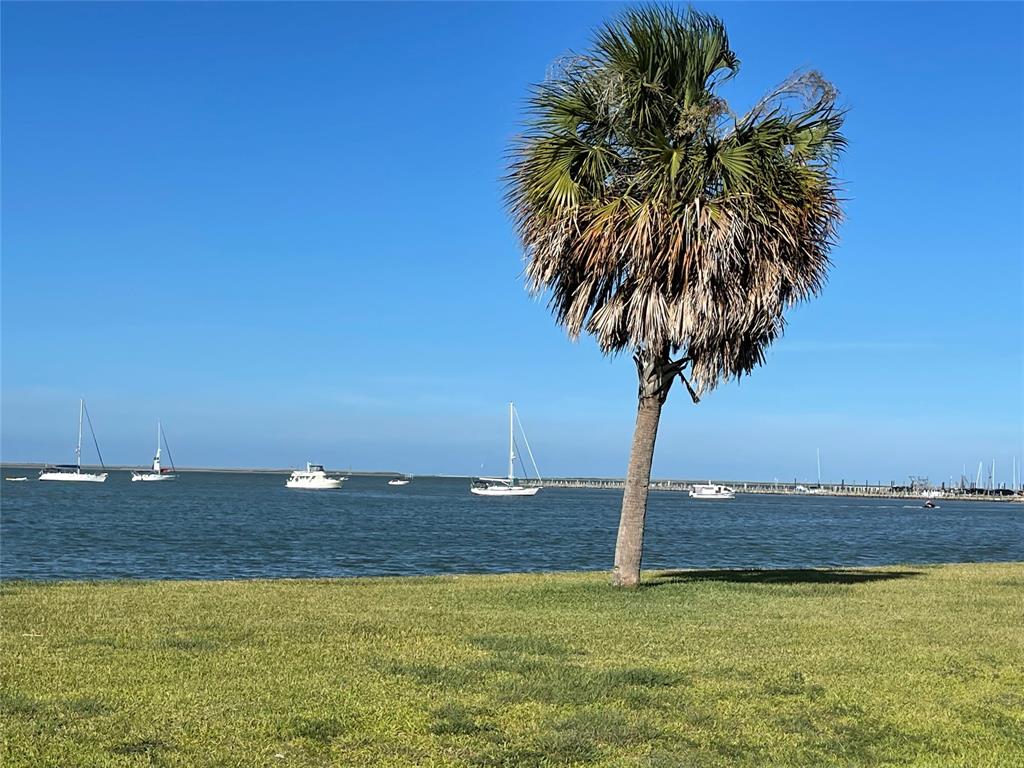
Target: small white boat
<point x="712" y="491"/>
<point x="400" y="481"/>
<point x="16" y="479"/>
<point x="313" y="478"/>
<point x="156" y="472"/>
<point x="72" y="473"/>
<point x="509" y="486"/>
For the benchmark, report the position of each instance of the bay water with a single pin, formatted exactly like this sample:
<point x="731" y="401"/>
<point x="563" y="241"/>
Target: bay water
<point x="232" y="525"/>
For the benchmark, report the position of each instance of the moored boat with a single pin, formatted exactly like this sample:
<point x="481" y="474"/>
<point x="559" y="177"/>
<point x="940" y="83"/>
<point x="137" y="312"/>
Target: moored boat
<point x="712" y="491"/>
<point x="502" y="486"/>
<point x="313" y="478"/>
<point x="509" y="486"/>
<point x="72" y="473"/>
<point x="156" y="472"/>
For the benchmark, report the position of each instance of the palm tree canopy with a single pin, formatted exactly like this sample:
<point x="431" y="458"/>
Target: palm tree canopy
<point x="656" y="219"/>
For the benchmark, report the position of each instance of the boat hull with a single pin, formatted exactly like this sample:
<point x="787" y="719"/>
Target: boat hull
<point x="74" y="477"/>
<point x="530" y="491"/>
<point x="713" y="497"/>
<point x="398" y="482"/>
<point x="150" y="477"/>
<point x="314" y="485"/>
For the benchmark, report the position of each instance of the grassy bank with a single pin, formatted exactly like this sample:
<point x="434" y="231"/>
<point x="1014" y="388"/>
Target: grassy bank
<point x="910" y="665"/>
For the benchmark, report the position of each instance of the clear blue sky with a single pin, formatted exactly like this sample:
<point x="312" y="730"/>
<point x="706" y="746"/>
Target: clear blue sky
<point x="280" y="229"/>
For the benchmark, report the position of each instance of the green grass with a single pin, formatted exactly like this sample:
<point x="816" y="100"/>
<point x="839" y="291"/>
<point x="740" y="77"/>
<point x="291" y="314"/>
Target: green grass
<point x="903" y="666"/>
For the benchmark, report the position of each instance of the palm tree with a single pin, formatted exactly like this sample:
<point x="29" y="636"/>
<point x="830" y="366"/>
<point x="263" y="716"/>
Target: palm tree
<point x="665" y="225"/>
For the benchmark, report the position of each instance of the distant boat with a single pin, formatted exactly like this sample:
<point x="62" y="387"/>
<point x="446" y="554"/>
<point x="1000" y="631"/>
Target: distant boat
<point x="508" y="486"/>
<point x="404" y="480"/>
<point x="72" y="473"/>
<point x="314" y="478"/>
<point x="157" y="472"/>
<point x="16" y="479"/>
<point x="712" y="491"/>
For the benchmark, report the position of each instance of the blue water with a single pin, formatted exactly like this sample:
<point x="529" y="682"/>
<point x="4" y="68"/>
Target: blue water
<point x="221" y="526"/>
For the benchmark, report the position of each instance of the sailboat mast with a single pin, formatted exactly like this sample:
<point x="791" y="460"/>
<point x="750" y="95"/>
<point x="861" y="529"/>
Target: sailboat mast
<point x="511" y="442"/>
<point x="78" y="448"/>
<point x="819" y="467"/>
<point x="158" y="438"/>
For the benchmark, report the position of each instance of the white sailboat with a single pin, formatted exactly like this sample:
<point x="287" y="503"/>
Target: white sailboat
<point x="72" y="473"/>
<point x="157" y="472"/>
<point x="508" y="486"/>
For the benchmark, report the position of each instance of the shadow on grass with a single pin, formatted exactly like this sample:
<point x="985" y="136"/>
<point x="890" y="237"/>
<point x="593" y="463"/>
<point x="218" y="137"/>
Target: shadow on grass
<point x="778" y="576"/>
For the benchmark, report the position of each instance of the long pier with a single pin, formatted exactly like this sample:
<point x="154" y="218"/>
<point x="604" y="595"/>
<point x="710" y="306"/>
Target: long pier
<point x="798" y="489"/>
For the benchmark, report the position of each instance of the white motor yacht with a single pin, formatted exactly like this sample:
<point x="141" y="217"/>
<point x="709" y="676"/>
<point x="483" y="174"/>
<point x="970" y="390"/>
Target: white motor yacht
<point x="712" y="491"/>
<point x="313" y="478"/>
<point x="400" y="481"/>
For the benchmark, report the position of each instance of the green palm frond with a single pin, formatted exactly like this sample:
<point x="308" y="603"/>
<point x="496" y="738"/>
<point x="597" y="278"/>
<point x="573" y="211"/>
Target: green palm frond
<point x="655" y="220"/>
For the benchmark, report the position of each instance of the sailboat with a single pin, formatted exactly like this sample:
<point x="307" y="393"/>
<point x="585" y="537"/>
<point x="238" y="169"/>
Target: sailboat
<point x="72" y="473"/>
<point x="156" y="471"/>
<point x="507" y="486"/>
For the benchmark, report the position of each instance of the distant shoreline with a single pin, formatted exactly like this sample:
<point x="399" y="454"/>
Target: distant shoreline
<point x="615" y="483"/>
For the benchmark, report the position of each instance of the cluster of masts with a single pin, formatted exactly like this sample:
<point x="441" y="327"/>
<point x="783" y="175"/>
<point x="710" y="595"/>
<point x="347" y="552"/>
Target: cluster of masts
<point x="313" y="477"/>
<point x="983" y="481"/>
<point x="989" y="482"/>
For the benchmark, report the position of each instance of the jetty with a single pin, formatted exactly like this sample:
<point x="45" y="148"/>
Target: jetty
<point x="876" y="490"/>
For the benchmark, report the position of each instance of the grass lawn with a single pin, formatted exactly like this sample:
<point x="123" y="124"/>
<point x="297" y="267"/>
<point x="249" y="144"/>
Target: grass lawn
<point x="897" y="666"/>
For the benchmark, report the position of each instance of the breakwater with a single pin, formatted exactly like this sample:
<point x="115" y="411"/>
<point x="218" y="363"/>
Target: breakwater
<point x="799" y="489"/>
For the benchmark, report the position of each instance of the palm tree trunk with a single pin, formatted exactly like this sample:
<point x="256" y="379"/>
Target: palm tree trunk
<point x="629" y="546"/>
